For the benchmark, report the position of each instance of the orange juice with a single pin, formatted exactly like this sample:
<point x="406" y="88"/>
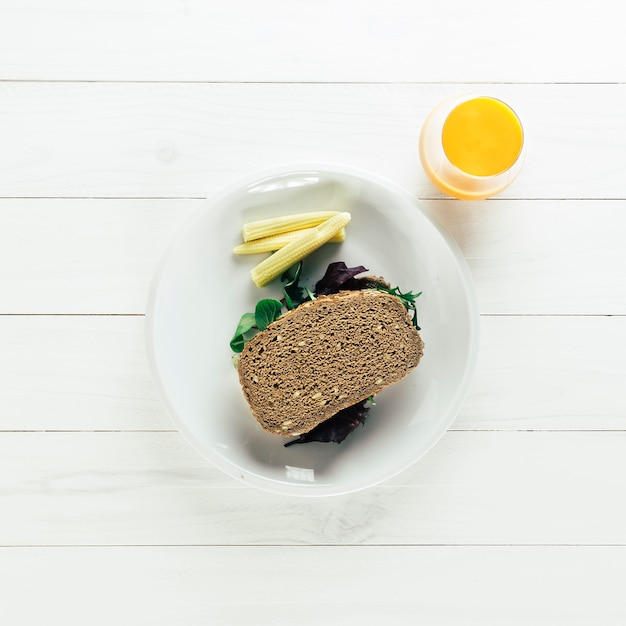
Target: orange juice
<point x="482" y="136"/>
<point x="471" y="146"/>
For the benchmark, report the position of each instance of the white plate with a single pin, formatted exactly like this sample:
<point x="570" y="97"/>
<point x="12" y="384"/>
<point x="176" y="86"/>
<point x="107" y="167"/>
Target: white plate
<point x="201" y="289"/>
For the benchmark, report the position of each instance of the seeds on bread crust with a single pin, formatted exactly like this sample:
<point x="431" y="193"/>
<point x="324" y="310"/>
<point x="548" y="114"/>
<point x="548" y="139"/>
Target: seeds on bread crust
<point x="327" y="355"/>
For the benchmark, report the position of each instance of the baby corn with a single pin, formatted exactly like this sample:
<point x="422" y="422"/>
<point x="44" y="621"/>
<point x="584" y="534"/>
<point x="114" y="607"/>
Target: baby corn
<point x="276" y="242"/>
<point x="272" y="267"/>
<point x="284" y="223"/>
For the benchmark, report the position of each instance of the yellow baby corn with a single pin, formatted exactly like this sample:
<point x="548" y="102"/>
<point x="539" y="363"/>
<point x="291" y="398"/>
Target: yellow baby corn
<point x="284" y="223"/>
<point x="276" y="242"/>
<point x="272" y="267"/>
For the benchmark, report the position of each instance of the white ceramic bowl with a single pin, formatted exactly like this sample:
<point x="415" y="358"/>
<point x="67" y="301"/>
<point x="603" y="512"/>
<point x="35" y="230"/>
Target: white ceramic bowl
<point x="201" y="289"/>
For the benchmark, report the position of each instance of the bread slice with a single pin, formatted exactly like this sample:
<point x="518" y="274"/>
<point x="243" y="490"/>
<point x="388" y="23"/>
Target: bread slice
<point x="326" y="355"/>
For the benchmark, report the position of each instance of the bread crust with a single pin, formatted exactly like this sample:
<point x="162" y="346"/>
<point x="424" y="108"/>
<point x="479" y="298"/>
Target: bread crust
<point x="327" y="355"/>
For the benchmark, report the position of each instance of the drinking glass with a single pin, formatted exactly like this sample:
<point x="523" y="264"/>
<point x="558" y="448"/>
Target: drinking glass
<point x="472" y="146"/>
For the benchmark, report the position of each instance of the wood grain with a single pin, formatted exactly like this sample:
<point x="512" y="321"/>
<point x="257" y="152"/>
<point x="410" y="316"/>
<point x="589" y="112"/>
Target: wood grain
<point x="90" y="373"/>
<point x="526" y="257"/>
<point x="123" y="139"/>
<point x="548" y="372"/>
<point x="277" y="40"/>
<point x="150" y="488"/>
<point x="83" y="255"/>
<point x="542" y="257"/>
<point x="77" y="373"/>
<point x="116" y="118"/>
<point x="232" y="586"/>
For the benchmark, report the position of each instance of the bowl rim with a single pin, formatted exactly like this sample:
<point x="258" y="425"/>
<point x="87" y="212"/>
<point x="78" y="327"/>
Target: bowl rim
<point x="247" y="476"/>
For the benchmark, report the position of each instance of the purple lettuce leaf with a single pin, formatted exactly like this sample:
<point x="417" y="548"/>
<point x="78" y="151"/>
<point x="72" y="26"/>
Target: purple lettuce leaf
<point x="336" y="428"/>
<point x="337" y="277"/>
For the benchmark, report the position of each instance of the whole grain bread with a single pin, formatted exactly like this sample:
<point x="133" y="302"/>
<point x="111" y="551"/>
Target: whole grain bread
<point x="327" y="355"/>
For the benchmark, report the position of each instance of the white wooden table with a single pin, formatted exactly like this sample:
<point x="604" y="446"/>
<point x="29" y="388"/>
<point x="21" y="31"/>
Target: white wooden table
<point x="116" y="119"/>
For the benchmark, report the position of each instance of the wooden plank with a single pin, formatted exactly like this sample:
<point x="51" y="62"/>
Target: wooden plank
<point x="305" y="585"/>
<point x="77" y="373"/>
<point x="101" y="260"/>
<point x="542" y="258"/>
<point x="526" y="257"/>
<point x="91" y="373"/>
<point x="278" y="40"/>
<point x="188" y="140"/>
<point x="473" y="488"/>
<point x="548" y="373"/>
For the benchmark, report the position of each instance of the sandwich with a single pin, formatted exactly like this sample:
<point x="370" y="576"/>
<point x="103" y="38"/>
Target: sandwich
<point x="313" y="371"/>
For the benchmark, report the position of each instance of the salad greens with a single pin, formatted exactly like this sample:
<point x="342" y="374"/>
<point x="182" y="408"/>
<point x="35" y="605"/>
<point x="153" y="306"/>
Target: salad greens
<point x="408" y="299"/>
<point x="336" y="428"/>
<point x="338" y="277"/>
<point x="293" y="294"/>
<point x="265" y="312"/>
<point x="269" y="310"/>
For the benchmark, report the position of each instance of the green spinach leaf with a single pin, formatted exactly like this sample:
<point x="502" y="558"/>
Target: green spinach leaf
<point x="266" y="312"/>
<point x="294" y="294"/>
<point x="250" y="324"/>
<point x="245" y="328"/>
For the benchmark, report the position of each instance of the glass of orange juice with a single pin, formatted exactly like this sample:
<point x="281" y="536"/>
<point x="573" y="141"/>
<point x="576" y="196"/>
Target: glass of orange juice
<point x="471" y="147"/>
